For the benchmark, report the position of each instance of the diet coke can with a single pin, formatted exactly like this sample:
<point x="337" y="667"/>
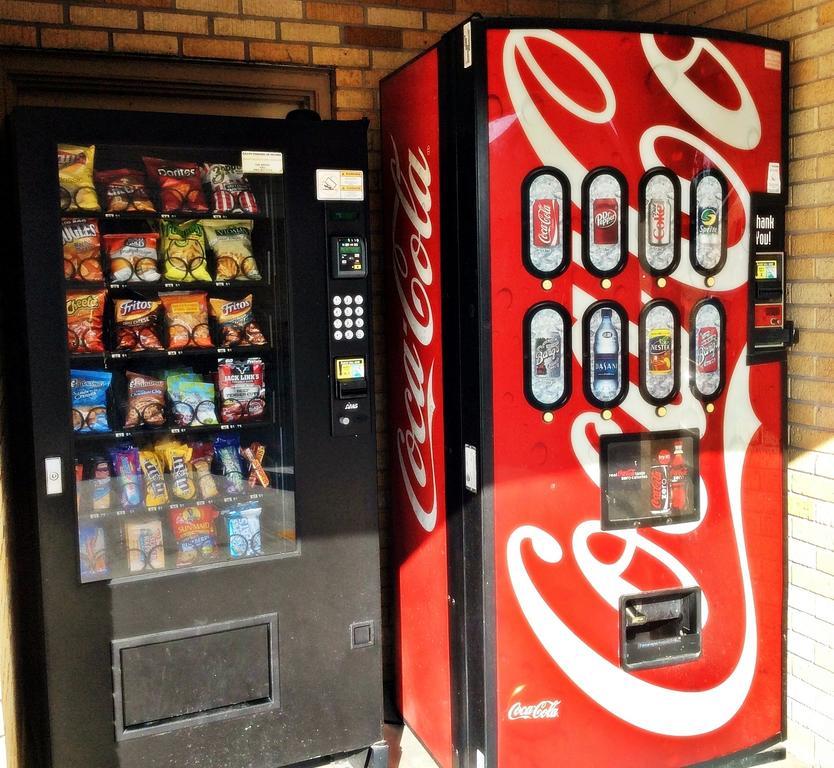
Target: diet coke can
<point x="660" y="502"/>
<point x="606" y="221"/>
<point x="545" y="222"/>
<point x="706" y="349"/>
<point x="660" y="222"/>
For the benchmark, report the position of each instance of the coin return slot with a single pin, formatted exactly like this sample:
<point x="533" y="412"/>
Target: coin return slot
<point x="660" y="628"/>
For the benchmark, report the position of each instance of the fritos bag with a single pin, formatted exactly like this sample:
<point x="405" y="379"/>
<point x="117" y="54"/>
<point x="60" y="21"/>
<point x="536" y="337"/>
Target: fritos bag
<point x="230" y="189"/>
<point x="82" y="250"/>
<point x="180" y="184"/>
<point x="186" y="315"/>
<point x="75" y="177"/>
<point x="85" y="319"/>
<point x="231" y="242"/>
<point x="236" y="322"/>
<point x="184" y="250"/>
<point x="137" y="324"/>
<point x="123" y="190"/>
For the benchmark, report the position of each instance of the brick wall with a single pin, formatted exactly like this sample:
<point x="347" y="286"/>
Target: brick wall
<point x="809" y="26"/>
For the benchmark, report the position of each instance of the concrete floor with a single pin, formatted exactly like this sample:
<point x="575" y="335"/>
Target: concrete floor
<point x="407" y="752"/>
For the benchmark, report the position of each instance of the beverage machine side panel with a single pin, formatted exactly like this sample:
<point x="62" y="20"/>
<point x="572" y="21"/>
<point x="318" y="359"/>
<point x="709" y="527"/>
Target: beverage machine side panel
<point x="637" y="453"/>
<point x="411" y="184"/>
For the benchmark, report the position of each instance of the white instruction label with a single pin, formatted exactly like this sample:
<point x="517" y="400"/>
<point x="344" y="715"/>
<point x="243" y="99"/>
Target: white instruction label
<point x="774" y="179"/>
<point x="467" y="45"/>
<point x="470" y="462"/>
<point x="261" y="162"/>
<point x="339" y="185"/>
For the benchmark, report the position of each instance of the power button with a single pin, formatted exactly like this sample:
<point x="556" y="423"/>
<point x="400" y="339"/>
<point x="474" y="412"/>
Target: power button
<point x="54" y="476"/>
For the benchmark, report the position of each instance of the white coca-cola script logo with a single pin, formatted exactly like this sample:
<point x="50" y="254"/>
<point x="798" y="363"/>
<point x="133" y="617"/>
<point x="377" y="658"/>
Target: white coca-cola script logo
<point x="412" y="275"/>
<point x="544" y="710"/>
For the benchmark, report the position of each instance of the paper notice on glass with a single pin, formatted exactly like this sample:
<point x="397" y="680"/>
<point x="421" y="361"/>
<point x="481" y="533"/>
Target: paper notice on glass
<point x="261" y="162"/>
<point x="339" y="185"/>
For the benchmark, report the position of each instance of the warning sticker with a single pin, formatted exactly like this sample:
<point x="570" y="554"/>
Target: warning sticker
<point x="772" y="59"/>
<point x="339" y="185"/>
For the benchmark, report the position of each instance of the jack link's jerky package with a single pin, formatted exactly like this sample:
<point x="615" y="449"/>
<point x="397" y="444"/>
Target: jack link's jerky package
<point x="180" y="185"/>
<point x="230" y="189"/>
<point x="242" y="390"/>
<point x="82" y="250"/>
<point x="184" y="251"/>
<point x="194" y="531"/>
<point x="231" y="242"/>
<point x="124" y="190"/>
<point x="89" y="400"/>
<point x="75" y="178"/>
<point x="133" y="258"/>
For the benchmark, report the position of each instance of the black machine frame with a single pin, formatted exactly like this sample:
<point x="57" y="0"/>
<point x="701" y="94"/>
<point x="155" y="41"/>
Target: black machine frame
<point x="330" y="699"/>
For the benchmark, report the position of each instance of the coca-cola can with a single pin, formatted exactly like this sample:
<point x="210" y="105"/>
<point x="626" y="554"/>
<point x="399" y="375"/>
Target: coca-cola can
<point x="660" y="502"/>
<point x="660" y="222"/>
<point x="606" y="221"/>
<point x="545" y="222"/>
<point x="706" y="349"/>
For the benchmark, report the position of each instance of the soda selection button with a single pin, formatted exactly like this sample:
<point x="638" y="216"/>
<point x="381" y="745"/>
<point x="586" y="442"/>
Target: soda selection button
<point x="348" y="311"/>
<point x="337" y="300"/>
<point x="337" y="312"/>
<point x="348" y="335"/>
<point x="360" y="323"/>
<point x="348" y="300"/>
<point x="359" y="299"/>
<point x="348" y="323"/>
<point x="359" y="311"/>
<point x="338" y="335"/>
<point x="337" y="323"/>
<point x="360" y="334"/>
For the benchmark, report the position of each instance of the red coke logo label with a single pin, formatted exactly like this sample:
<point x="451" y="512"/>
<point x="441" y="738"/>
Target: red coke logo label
<point x="544" y="710"/>
<point x="545" y="223"/>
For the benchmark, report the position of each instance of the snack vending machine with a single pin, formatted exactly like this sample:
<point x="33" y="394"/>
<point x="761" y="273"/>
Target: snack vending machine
<point x="193" y="488"/>
<point x="585" y="250"/>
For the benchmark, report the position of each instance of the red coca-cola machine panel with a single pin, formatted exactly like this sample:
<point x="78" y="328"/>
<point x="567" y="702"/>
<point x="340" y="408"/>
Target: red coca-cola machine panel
<point x="612" y="260"/>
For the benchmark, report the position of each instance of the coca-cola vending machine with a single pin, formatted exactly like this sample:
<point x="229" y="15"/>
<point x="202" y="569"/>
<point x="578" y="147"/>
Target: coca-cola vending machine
<point x="587" y="367"/>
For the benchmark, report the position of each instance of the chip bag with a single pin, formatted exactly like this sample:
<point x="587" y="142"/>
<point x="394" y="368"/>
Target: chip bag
<point x="145" y="401"/>
<point x="156" y="492"/>
<point x="236" y="323"/>
<point x="89" y="400"/>
<point x="180" y="185"/>
<point x="82" y="250"/>
<point x="194" y="532"/>
<point x="124" y="190"/>
<point x="192" y="400"/>
<point x="75" y="177"/>
<point x="230" y="189"/>
<point x="243" y="524"/>
<point x="85" y="321"/>
<point x="145" y="546"/>
<point x="133" y="258"/>
<point x="184" y="251"/>
<point x="231" y="242"/>
<point x="201" y="456"/>
<point x="186" y="315"/>
<point x="137" y="324"/>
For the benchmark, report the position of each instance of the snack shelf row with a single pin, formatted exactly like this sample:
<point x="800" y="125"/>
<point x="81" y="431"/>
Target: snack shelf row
<point x="145" y="431"/>
<point x="149" y="354"/>
<point x="167" y="216"/>
<point x="119" y="512"/>
<point x="141" y="285"/>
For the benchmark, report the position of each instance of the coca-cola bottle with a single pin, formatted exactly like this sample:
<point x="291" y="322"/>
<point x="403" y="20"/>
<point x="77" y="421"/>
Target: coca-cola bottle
<point x="605" y="377"/>
<point x="678" y="476"/>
